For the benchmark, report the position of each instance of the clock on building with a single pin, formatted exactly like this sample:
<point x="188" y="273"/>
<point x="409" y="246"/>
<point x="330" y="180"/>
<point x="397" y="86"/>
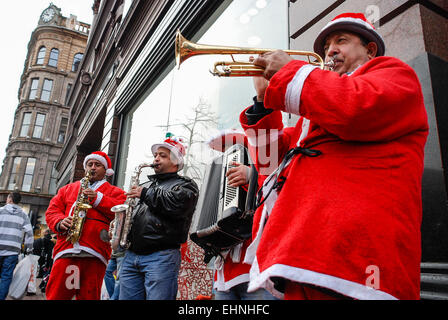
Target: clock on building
<point x="48" y="14"/>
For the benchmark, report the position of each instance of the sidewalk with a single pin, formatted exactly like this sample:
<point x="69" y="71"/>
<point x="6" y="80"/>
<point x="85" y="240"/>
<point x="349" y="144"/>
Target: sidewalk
<point x="38" y="296"/>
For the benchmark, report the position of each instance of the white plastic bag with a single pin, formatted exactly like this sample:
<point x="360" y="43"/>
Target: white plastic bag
<point x="104" y="293"/>
<point x="32" y="285"/>
<point x="21" y="277"/>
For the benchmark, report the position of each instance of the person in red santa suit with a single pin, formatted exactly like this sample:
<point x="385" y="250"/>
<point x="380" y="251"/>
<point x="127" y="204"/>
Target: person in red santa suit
<point x="79" y="267"/>
<point x="340" y="216"/>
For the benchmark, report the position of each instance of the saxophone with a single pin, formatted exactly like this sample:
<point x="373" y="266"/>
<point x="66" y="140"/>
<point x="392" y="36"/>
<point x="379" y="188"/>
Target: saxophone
<point x="122" y="223"/>
<point x="80" y="211"/>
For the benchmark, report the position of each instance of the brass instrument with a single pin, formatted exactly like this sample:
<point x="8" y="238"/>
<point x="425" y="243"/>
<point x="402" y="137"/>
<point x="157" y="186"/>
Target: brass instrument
<point x="79" y="211"/>
<point x="123" y="213"/>
<point x="185" y="49"/>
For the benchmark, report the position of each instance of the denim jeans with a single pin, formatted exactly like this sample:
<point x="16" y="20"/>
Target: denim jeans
<point x="7" y="266"/>
<point x="239" y="292"/>
<point x="150" y="277"/>
<point x="112" y="284"/>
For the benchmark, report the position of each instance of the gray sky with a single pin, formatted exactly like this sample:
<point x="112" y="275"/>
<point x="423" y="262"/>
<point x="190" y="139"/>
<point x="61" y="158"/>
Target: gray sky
<point x="20" y="18"/>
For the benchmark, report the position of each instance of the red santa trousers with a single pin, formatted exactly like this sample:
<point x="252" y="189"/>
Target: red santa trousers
<point x="79" y="277"/>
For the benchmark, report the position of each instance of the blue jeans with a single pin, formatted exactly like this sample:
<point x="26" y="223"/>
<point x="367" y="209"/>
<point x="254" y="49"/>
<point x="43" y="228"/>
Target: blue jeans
<point x="150" y="277"/>
<point x="7" y="266"/>
<point x="239" y="292"/>
<point x="112" y="285"/>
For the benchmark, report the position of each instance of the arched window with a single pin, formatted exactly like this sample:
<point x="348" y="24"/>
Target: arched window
<point x="54" y="56"/>
<point x="76" y="61"/>
<point x="41" y="55"/>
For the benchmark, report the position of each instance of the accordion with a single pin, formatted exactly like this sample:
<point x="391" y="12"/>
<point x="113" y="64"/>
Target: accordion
<point x="224" y="216"/>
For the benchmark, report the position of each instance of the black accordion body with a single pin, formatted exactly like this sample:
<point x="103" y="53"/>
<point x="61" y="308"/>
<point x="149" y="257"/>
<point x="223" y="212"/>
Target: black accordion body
<point x="226" y="213"/>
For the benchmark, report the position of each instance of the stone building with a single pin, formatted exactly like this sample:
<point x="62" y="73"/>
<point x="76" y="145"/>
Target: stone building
<point x="55" y="51"/>
<point x="132" y="93"/>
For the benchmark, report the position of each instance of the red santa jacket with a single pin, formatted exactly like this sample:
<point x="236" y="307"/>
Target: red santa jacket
<point x="98" y="219"/>
<point x="349" y="219"/>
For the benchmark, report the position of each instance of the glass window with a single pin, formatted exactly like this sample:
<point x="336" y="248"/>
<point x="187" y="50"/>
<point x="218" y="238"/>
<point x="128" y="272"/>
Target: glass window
<point x="62" y="130"/>
<point x="33" y="89"/>
<point x="12" y="184"/>
<point x="194" y="105"/>
<point x="46" y="90"/>
<point x="39" y="125"/>
<point x="67" y="93"/>
<point x="76" y="61"/>
<point x="26" y="121"/>
<point x="53" y="177"/>
<point x="41" y="55"/>
<point x="54" y="56"/>
<point x="28" y="176"/>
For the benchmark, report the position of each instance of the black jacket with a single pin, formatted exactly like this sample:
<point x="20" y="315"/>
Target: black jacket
<point x="163" y="216"/>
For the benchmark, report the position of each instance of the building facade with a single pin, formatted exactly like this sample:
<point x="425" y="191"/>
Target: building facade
<point x="132" y="93"/>
<point x="40" y="124"/>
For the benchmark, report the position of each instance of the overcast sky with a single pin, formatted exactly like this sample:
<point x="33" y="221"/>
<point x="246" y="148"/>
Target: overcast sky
<point x="19" y="19"/>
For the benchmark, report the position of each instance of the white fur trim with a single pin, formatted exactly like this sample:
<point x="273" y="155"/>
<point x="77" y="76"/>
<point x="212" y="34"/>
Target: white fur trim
<point x="109" y="172"/>
<point x="305" y="130"/>
<point x="345" y="287"/>
<point x="222" y="285"/>
<point x="99" y="197"/>
<point x="351" y="20"/>
<point x="95" y="157"/>
<point x="294" y="89"/>
<point x="77" y="249"/>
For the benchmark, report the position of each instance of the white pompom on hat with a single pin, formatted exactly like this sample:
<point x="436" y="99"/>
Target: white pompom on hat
<point x="353" y="22"/>
<point x="101" y="157"/>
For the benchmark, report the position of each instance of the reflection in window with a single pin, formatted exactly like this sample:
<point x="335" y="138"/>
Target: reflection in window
<point x="26" y="121"/>
<point x="41" y="55"/>
<point x="67" y="93"/>
<point x="54" y="56"/>
<point x="46" y="90"/>
<point x="183" y="93"/>
<point x="76" y="61"/>
<point x="28" y="176"/>
<point x="12" y="184"/>
<point x="62" y="130"/>
<point x="39" y="126"/>
<point x="33" y="89"/>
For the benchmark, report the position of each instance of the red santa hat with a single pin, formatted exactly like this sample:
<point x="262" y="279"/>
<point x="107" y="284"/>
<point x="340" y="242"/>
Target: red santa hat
<point x="353" y="22"/>
<point x="227" y="138"/>
<point x="101" y="157"/>
<point x="175" y="146"/>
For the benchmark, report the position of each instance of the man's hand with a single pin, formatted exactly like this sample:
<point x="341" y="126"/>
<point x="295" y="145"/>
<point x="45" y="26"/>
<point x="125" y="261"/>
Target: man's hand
<point x="90" y="193"/>
<point x="65" y="224"/>
<point x="272" y="62"/>
<point x="260" y="85"/>
<point x="238" y="175"/>
<point x="135" y="192"/>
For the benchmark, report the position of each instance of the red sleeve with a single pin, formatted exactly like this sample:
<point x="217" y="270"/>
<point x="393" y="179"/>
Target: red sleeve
<point x="56" y="210"/>
<point x="268" y="141"/>
<point x="106" y="200"/>
<point x="381" y="101"/>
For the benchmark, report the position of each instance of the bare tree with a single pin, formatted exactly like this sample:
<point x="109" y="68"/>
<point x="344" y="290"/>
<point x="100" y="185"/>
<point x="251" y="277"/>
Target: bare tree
<point x="196" y="126"/>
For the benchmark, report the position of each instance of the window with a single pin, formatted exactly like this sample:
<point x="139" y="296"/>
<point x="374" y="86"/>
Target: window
<point x="26" y="121"/>
<point x="53" y="178"/>
<point x="41" y="55"/>
<point x="46" y="90"/>
<point x="14" y="173"/>
<point x="67" y="93"/>
<point x="54" y="56"/>
<point x="76" y="61"/>
<point x="33" y="89"/>
<point x="28" y="176"/>
<point x="39" y="126"/>
<point x="62" y="130"/>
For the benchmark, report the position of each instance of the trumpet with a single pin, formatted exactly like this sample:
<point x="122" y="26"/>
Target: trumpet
<point x="185" y="49"/>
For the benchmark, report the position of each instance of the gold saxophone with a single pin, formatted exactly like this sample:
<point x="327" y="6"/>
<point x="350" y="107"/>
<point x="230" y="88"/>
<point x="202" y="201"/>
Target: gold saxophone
<point x="122" y="223"/>
<point x="79" y="211"/>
